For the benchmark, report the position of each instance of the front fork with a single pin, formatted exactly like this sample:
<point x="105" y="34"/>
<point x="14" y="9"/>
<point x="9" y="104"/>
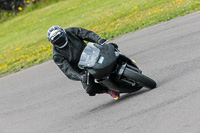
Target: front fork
<point x="88" y="77"/>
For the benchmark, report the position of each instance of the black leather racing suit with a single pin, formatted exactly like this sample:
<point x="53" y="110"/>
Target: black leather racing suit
<point x="68" y="57"/>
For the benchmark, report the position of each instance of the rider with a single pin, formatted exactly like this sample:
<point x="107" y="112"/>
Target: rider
<point x="68" y="45"/>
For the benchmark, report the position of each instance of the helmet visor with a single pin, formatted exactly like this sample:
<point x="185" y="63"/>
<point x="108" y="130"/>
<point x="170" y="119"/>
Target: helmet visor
<point x="60" y="40"/>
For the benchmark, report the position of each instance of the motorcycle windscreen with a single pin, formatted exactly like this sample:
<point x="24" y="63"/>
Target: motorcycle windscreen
<point x="89" y="56"/>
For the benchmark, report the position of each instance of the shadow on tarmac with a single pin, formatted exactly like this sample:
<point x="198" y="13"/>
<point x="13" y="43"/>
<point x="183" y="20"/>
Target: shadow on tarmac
<point x="121" y="99"/>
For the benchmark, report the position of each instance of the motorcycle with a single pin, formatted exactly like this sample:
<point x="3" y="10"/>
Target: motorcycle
<point x="113" y="69"/>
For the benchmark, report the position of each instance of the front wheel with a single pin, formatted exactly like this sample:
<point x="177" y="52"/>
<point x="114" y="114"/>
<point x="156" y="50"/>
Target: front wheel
<point x="139" y="78"/>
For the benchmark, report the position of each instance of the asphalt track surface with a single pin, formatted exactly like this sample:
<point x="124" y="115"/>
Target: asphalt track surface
<point x="42" y="100"/>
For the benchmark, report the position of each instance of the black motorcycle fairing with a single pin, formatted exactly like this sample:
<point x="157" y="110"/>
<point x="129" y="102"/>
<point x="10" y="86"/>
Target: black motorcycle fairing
<point x="116" y="82"/>
<point x="105" y="63"/>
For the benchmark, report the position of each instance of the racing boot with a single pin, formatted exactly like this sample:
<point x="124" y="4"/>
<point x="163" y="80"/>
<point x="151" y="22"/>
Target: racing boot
<point x="113" y="94"/>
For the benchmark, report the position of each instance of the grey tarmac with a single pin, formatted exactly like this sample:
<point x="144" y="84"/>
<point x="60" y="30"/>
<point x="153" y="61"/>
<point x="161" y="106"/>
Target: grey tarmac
<point x="42" y="100"/>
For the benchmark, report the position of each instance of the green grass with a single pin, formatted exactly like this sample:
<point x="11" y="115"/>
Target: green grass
<point x="23" y="41"/>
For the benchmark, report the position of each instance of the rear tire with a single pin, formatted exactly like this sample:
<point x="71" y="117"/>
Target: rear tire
<point x="139" y="78"/>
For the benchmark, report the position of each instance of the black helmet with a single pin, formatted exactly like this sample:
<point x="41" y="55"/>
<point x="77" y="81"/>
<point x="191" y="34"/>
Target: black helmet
<point x="57" y="36"/>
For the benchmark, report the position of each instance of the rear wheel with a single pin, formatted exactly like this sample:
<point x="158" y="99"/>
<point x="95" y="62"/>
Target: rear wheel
<point x="139" y="78"/>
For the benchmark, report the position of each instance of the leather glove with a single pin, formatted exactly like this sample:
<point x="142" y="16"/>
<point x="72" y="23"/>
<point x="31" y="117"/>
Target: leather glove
<point x="115" y="45"/>
<point x="101" y="41"/>
<point x="84" y="78"/>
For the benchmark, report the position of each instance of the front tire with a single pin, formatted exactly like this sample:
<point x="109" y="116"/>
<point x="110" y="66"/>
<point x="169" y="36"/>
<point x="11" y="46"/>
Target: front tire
<point x="139" y="78"/>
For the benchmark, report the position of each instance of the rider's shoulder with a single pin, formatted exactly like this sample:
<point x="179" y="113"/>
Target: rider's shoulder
<point x="71" y="29"/>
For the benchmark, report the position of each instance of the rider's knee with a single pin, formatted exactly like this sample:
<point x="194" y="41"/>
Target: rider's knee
<point x="90" y="91"/>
